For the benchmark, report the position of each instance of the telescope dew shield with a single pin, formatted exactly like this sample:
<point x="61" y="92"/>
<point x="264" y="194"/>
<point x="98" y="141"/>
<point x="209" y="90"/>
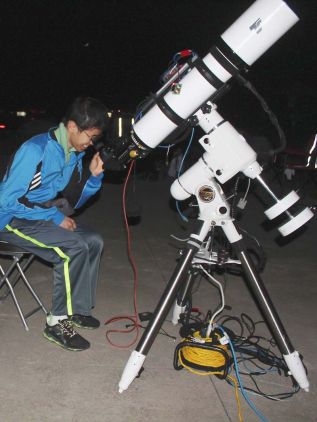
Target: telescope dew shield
<point x="259" y="27"/>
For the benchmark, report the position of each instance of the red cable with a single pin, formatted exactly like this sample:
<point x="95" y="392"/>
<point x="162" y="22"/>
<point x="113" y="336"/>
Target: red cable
<point x="133" y="318"/>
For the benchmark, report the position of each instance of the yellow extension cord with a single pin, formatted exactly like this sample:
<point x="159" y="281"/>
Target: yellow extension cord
<point x="207" y="358"/>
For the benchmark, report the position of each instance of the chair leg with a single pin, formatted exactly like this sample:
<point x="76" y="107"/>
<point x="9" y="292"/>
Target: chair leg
<point x="17" y="276"/>
<point x="31" y="290"/>
<point x="5" y="279"/>
<point x="2" y="283"/>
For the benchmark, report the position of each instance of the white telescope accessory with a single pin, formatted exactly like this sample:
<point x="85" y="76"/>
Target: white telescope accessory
<point x="258" y="28"/>
<point x="282" y="205"/>
<point x="131" y="370"/>
<point x="296" y="222"/>
<point x="297" y="370"/>
<point x="227" y="152"/>
<point x="177" y="311"/>
<point x="185" y="185"/>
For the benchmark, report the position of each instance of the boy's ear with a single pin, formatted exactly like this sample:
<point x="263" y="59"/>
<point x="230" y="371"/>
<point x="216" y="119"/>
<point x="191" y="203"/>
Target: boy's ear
<point x="72" y="126"/>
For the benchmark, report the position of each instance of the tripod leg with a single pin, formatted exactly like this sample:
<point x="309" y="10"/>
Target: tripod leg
<point x="182" y="297"/>
<point x="263" y="300"/>
<point x="137" y="357"/>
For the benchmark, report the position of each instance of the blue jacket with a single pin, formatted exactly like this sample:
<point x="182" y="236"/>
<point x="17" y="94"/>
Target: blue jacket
<point x="21" y="180"/>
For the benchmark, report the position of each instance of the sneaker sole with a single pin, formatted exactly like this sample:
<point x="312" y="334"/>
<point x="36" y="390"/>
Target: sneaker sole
<point x="52" y="339"/>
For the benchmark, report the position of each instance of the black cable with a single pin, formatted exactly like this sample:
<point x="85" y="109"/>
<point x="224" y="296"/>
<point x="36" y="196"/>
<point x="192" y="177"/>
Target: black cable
<point x="250" y="350"/>
<point x="162" y="331"/>
<point x="226" y="318"/>
<point x="247" y="84"/>
<point x="249" y="344"/>
<point x="246" y="320"/>
<point x="233" y="209"/>
<point x="274" y="397"/>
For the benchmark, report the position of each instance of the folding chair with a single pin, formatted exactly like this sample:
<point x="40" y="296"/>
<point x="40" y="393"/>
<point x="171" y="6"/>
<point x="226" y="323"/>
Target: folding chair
<point x="16" y="270"/>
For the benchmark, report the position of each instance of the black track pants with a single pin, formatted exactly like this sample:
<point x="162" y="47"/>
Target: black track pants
<point x="75" y="256"/>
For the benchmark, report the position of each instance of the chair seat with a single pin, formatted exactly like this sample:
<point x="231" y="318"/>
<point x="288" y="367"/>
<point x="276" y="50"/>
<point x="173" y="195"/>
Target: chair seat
<point x="8" y="249"/>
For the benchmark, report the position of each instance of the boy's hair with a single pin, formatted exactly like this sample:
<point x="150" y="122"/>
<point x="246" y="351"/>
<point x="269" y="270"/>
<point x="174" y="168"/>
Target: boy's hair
<point x="87" y="113"/>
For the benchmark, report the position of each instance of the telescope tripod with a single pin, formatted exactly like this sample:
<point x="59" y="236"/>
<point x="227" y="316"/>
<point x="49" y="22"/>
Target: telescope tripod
<point x="214" y="211"/>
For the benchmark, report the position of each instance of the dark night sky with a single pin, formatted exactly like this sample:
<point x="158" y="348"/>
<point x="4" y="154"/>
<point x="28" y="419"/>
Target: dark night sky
<point x="116" y="50"/>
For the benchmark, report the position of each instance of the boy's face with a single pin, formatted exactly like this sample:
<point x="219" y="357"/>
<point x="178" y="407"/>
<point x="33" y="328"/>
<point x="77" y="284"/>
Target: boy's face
<point x="81" y="139"/>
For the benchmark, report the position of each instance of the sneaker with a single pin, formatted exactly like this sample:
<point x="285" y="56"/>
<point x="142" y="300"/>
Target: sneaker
<point x="84" y="321"/>
<point x="65" y="336"/>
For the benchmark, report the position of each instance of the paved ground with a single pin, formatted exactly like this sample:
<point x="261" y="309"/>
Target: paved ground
<point x="41" y="382"/>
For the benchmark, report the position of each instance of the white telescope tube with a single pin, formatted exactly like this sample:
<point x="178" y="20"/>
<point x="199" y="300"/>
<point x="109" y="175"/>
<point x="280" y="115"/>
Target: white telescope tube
<point x="244" y="42"/>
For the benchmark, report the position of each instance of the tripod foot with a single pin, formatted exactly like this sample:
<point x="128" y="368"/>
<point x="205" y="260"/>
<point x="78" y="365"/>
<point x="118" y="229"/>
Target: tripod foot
<point x="176" y="313"/>
<point x="297" y="370"/>
<point x="131" y="370"/>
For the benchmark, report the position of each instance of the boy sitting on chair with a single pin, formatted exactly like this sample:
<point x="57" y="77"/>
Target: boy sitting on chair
<point x="44" y="183"/>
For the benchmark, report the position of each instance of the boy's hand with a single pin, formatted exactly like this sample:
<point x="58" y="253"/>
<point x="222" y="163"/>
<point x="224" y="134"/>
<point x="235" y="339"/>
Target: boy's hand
<point x="96" y="165"/>
<point x="68" y="224"/>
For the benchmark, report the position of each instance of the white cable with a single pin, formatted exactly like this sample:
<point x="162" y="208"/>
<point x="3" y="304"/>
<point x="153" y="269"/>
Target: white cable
<point x="214" y="280"/>
<point x="247" y="191"/>
<point x="179" y="239"/>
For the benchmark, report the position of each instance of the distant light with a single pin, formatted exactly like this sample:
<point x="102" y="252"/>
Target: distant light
<point x="120" y="127"/>
<point x="21" y="113"/>
<point x="2" y="126"/>
<point x="109" y="114"/>
<point x="132" y="121"/>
